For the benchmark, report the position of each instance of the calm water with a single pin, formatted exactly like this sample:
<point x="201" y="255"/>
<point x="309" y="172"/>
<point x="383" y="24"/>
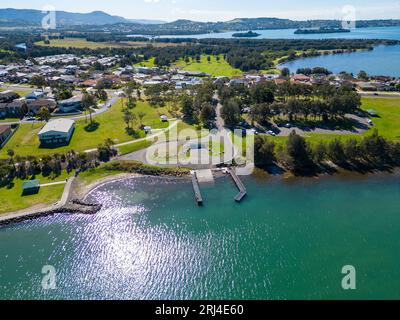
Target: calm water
<point x="383" y="60"/>
<point x="287" y="240"/>
<point x="392" y="33"/>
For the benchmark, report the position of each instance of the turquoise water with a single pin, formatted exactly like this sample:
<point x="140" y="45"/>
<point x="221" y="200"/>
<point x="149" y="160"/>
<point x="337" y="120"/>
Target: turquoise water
<point x="390" y="33"/>
<point x="287" y="240"/>
<point x="383" y="60"/>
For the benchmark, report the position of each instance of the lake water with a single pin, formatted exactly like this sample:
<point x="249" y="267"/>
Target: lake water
<point x="390" y="33"/>
<point x="289" y="239"/>
<point x="383" y="60"/>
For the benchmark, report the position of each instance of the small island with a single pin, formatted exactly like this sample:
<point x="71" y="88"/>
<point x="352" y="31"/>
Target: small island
<point x="321" y="30"/>
<point x="249" y="34"/>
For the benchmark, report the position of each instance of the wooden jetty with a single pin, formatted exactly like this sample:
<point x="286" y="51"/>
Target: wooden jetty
<point x="239" y="184"/>
<point x="196" y="189"/>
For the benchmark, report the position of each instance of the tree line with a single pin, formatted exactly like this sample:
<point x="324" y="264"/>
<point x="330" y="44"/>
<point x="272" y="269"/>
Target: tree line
<point x="301" y="157"/>
<point x="296" y="102"/>
<point x="17" y="167"/>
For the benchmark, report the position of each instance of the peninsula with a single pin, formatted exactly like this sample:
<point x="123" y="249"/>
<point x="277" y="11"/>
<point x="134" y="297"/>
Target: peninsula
<point x="322" y="30"/>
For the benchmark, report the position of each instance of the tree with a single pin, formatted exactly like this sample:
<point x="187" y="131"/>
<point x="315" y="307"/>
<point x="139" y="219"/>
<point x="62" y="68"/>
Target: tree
<point x="39" y="81"/>
<point x="101" y="95"/>
<point x="362" y="75"/>
<point x="261" y="113"/>
<point x="352" y="150"/>
<point x="319" y="152"/>
<point x="285" y="72"/>
<point x="44" y="114"/>
<point x="262" y="94"/>
<point x="231" y="113"/>
<point x="299" y="153"/>
<point x="207" y="114"/>
<point x="88" y="101"/>
<point x="187" y="108"/>
<point x="264" y="152"/>
<point x="336" y="152"/>
<point x="10" y="153"/>
<point x="128" y="117"/>
<point x="141" y="116"/>
<point x="375" y="149"/>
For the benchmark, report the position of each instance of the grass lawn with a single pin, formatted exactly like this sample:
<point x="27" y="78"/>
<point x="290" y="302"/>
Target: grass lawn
<point x="388" y="120"/>
<point x="83" y="43"/>
<point x="134" y="147"/>
<point x="214" y="67"/>
<point x="92" y="175"/>
<point x="12" y="200"/>
<point x="147" y="63"/>
<point x="111" y="125"/>
<point x="22" y="93"/>
<point x="78" y="43"/>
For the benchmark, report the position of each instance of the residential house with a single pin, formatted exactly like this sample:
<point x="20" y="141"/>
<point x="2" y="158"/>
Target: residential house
<point x="5" y="132"/>
<point x="35" y="105"/>
<point x="8" y="96"/>
<point x="300" y="79"/>
<point x="35" y="95"/>
<point x="57" y="132"/>
<point x="71" y="104"/>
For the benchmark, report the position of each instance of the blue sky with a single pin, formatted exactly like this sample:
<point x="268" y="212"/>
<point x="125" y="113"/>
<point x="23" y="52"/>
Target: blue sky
<point x="218" y="10"/>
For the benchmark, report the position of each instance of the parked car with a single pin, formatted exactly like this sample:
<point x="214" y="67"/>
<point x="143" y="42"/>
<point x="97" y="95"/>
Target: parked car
<point x="254" y="131"/>
<point x="288" y="125"/>
<point x="369" y="121"/>
<point x="271" y="133"/>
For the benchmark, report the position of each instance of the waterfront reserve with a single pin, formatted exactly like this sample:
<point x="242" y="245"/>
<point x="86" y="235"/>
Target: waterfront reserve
<point x="244" y="159"/>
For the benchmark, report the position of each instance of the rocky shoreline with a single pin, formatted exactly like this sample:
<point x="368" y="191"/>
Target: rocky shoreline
<point x="75" y="207"/>
<point x="73" y="201"/>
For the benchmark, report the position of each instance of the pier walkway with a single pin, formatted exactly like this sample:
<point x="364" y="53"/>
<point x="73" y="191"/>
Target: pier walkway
<point x="239" y="184"/>
<point x="196" y="189"/>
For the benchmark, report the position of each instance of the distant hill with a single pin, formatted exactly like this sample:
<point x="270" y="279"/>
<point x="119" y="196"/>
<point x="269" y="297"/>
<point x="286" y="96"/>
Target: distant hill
<point x="63" y="18"/>
<point x="97" y="19"/>
<point x="146" y="21"/>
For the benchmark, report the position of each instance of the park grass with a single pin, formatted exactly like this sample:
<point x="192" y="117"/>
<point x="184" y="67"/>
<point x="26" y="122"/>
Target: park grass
<point x="22" y="93"/>
<point x="214" y="67"/>
<point x="11" y="199"/>
<point x="133" y="147"/>
<point x="150" y="63"/>
<point x="388" y="120"/>
<point x="81" y="43"/>
<point x="95" y="174"/>
<point x="111" y="125"/>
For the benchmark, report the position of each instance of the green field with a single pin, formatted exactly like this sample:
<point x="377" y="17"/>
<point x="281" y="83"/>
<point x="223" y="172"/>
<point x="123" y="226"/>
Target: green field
<point x="214" y="67"/>
<point x="129" y="148"/>
<point x="83" y="43"/>
<point x="12" y="200"/>
<point x="111" y="125"/>
<point x="150" y="63"/>
<point x="92" y="175"/>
